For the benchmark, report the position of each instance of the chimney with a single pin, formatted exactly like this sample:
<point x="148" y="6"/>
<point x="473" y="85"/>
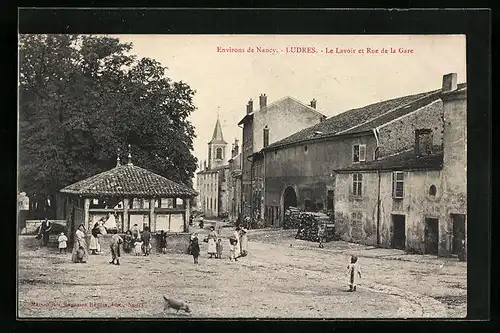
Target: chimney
<point x="313" y="103"/>
<point x="423" y="142"/>
<point x="449" y="83"/>
<point x="237" y="145"/>
<point x="263" y="100"/>
<point x="250" y="106"/>
<point x="205" y="165"/>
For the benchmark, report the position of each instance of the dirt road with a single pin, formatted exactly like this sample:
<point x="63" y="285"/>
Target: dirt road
<point x="282" y="277"/>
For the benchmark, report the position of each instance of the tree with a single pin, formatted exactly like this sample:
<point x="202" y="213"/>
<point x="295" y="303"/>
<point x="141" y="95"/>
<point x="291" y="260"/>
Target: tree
<point x="83" y="97"/>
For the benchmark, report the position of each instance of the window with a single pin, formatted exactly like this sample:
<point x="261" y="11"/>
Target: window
<point x="266" y="136"/>
<point x="357" y="184"/>
<point x="218" y="154"/>
<point x="359" y="153"/>
<point x="398" y="178"/>
<point x="211" y="203"/>
<point x="423" y="141"/>
<point x="432" y="190"/>
<point x="357" y="216"/>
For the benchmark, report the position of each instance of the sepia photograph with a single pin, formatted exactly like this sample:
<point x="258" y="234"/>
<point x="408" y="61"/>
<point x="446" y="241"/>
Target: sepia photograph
<point x="242" y="176"/>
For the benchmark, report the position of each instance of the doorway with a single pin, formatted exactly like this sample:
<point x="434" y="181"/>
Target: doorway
<point x="399" y="231"/>
<point x="289" y="198"/>
<point x="458" y="221"/>
<point x="431" y="236"/>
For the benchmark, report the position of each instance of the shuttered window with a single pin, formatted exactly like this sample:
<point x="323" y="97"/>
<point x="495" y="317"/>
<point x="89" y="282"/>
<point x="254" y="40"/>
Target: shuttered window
<point x="359" y="153"/>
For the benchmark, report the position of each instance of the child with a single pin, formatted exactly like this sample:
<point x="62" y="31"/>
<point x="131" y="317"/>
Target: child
<point x="62" y="242"/>
<point x="146" y="240"/>
<point x="116" y="240"/>
<point x="232" y="249"/>
<point x="80" y="255"/>
<point x="219" y="248"/>
<point x="354" y="271"/>
<point x="137" y="248"/>
<point x="194" y="248"/>
<point x="321" y="235"/>
<point x="163" y="242"/>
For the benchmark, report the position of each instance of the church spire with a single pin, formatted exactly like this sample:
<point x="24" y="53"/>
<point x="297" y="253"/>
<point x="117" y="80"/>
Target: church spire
<point x="217" y="135"/>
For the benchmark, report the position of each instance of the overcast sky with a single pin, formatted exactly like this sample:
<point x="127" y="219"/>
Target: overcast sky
<point x="339" y="82"/>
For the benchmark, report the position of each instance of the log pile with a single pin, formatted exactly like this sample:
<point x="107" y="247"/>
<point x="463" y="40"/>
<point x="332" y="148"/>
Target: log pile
<point x="292" y="218"/>
<point x="309" y="223"/>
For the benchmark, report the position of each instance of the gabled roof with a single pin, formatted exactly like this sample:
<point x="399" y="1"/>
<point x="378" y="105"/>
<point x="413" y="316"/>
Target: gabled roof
<point x="308" y="107"/>
<point x="407" y="160"/>
<point x="217" y="135"/>
<point x="129" y="180"/>
<point x="362" y="119"/>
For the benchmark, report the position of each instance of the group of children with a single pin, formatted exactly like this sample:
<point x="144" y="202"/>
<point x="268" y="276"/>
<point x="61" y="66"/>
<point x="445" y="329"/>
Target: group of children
<point x="194" y="248"/>
<point x="142" y="245"/>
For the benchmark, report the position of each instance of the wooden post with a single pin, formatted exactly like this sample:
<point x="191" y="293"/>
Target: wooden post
<point x="86" y="217"/>
<point x="187" y="207"/>
<point x="152" y="220"/>
<point x="126" y="220"/>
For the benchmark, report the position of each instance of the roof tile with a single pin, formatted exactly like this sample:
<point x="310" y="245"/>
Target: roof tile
<point x="129" y="180"/>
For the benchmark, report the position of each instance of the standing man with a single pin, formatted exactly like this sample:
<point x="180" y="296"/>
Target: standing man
<point x="44" y="230"/>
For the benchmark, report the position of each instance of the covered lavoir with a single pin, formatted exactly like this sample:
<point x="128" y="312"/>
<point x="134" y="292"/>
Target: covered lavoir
<point x="133" y="195"/>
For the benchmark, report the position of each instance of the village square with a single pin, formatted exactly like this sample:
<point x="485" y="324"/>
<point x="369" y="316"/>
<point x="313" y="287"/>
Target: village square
<point x="131" y="207"/>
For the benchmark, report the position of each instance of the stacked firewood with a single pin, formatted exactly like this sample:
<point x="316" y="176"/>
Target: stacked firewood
<point x="308" y="229"/>
<point x="292" y="218"/>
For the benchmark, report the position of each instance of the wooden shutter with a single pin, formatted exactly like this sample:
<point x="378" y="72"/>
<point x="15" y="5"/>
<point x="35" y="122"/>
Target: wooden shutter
<point x="362" y="153"/>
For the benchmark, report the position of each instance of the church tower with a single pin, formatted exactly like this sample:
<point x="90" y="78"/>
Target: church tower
<point x="217" y="147"/>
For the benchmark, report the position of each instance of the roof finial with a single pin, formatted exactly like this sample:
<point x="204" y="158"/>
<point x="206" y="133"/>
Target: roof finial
<point x="218" y="110"/>
<point x="118" y="158"/>
<point x="129" y="155"/>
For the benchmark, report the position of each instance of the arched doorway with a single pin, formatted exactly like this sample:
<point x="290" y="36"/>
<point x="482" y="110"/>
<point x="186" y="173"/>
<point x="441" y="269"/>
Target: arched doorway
<point x="289" y="198"/>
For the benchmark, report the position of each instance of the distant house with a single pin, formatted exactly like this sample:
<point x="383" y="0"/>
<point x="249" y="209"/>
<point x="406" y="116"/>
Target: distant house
<point x="262" y="127"/>
<point x="416" y="199"/>
<point x="212" y="180"/>
<point x="235" y="182"/>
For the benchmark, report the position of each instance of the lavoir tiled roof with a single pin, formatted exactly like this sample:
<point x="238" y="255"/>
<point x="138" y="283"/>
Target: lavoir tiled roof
<point x="362" y="119"/>
<point x="129" y="180"/>
<point x="407" y="160"/>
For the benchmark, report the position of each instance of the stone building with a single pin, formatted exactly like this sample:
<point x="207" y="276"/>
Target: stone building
<point x="416" y="199"/>
<point x="212" y="180"/>
<point x="234" y="185"/>
<point x="299" y="168"/>
<point x="262" y="127"/>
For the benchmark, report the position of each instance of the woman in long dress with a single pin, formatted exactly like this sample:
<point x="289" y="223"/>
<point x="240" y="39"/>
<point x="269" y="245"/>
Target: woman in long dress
<point x="128" y="243"/>
<point x="94" y="245"/>
<point x="212" y="237"/>
<point x="236" y="235"/>
<point x="79" y="242"/>
<point x="243" y="242"/>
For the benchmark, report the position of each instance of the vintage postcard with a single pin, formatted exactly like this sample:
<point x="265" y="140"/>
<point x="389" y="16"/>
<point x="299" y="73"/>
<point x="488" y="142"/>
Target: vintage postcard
<point x="242" y="176"/>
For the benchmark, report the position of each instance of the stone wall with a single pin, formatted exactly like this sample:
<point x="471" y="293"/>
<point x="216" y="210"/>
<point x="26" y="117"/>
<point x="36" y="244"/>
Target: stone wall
<point x="283" y="118"/>
<point x="399" y="135"/>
